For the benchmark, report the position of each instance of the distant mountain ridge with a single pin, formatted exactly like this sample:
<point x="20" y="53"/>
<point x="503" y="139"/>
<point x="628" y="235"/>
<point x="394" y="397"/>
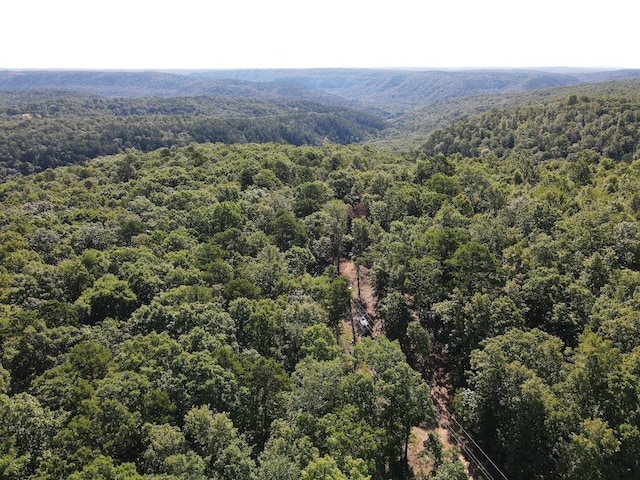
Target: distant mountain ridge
<point x="389" y="91"/>
<point x="397" y="90"/>
<point x="156" y="84"/>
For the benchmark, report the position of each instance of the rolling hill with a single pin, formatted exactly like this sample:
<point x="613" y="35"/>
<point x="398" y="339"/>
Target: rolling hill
<point x="52" y="118"/>
<point x="559" y="123"/>
<point x="40" y="129"/>
<point x="396" y="90"/>
<point x="390" y="90"/>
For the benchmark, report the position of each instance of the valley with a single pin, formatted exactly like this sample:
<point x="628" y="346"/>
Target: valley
<point x="179" y="253"/>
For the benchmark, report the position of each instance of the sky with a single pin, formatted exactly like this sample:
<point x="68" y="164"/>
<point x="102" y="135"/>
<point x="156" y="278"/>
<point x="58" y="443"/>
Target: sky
<point x="225" y="34"/>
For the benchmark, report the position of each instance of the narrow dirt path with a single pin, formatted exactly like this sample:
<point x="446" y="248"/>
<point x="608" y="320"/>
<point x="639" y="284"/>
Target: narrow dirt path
<point x="420" y="465"/>
<point x="362" y="290"/>
<point x="438" y="379"/>
<point x="441" y="395"/>
<point x="366" y="293"/>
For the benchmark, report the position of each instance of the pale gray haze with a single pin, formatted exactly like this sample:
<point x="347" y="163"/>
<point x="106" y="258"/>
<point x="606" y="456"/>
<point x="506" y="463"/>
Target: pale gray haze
<point x="200" y="34"/>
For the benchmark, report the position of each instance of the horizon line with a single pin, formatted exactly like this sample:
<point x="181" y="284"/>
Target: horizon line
<point x="397" y="68"/>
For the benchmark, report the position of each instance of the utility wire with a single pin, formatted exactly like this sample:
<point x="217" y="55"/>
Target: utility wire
<point x="469" y="437"/>
<point x="463" y="442"/>
<point x="469" y="454"/>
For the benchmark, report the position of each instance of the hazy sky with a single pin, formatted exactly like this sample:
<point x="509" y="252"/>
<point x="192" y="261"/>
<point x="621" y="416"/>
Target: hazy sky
<point x="144" y="34"/>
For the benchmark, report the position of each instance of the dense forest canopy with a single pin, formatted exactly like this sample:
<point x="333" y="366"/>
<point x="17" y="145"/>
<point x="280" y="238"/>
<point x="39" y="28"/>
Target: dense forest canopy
<point x="181" y="313"/>
<point x="175" y="314"/>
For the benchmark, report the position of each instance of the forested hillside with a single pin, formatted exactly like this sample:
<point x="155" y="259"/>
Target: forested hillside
<point x="410" y="128"/>
<point x="52" y="118"/>
<point x="605" y="123"/>
<point x="44" y="128"/>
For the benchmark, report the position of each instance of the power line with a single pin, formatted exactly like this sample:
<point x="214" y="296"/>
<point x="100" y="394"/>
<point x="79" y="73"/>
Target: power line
<point x="365" y="324"/>
<point x="470" y="438"/>
<point x="469" y="454"/>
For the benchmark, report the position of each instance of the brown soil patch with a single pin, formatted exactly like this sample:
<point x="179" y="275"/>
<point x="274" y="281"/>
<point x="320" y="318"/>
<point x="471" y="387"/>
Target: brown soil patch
<point x="420" y="465"/>
<point x="440" y="386"/>
<point x="439" y="381"/>
<point x="367" y="295"/>
<point x="363" y="292"/>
